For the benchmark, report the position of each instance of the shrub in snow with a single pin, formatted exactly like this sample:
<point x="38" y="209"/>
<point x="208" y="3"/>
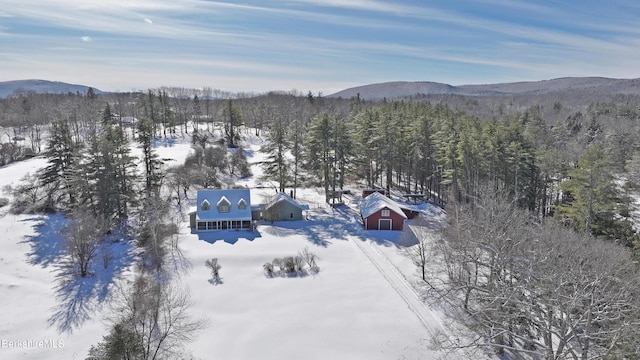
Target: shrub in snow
<point x="310" y="259"/>
<point x="279" y="264"/>
<point x="288" y="265"/>
<point x="268" y="269"/>
<point x="4" y="202"/>
<point x="298" y="263"/>
<point x="302" y="264"/>
<point x="213" y="265"/>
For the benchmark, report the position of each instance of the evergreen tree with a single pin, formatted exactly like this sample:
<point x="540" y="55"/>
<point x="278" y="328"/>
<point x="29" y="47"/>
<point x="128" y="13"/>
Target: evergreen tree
<point x="296" y="139"/>
<point x="106" y="178"/>
<point x="593" y="203"/>
<point x="232" y="121"/>
<point x="107" y="115"/>
<point x="363" y="145"/>
<point x="342" y="151"/>
<point x="62" y="155"/>
<point x="319" y="149"/>
<point x="275" y="165"/>
<point x="152" y="163"/>
<point x="239" y="163"/>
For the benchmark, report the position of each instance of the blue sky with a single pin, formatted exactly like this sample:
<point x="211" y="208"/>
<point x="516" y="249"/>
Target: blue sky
<point x="319" y="46"/>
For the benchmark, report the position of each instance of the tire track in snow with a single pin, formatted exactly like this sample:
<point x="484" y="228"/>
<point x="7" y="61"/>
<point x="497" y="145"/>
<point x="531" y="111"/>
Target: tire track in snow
<point x="402" y="288"/>
<point x="399" y="283"/>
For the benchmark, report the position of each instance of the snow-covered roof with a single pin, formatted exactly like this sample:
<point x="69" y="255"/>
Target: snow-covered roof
<point x="223" y="200"/>
<point x="375" y="202"/>
<point x="284" y="197"/>
<point x="232" y="196"/>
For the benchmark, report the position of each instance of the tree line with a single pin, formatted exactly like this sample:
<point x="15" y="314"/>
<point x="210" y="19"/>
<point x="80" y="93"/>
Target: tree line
<point x="578" y="169"/>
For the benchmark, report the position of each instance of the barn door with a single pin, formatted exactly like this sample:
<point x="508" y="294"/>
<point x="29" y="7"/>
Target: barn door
<point x="384" y="224"/>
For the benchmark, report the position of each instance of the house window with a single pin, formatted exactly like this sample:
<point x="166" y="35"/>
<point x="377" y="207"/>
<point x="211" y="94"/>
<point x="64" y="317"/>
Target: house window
<point x="224" y="206"/>
<point x="385" y="213"/>
<point x="205" y="205"/>
<point x="242" y="204"/>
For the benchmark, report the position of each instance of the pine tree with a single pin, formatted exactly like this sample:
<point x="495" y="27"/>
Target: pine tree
<point x="275" y="165"/>
<point x="152" y="163"/>
<point x="62" y="155"/>
<point x="106" y="178"/>
<point x="232" y="121"/>
<point x="107" y="116"/>
<point x="319" y="150"/>
<point x="592" y="202"/>
<point x="296" y="139"/>
<point x="363" y="145"/>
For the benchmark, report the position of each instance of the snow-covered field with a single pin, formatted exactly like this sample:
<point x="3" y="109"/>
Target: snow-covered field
<point x="359" y="306"/>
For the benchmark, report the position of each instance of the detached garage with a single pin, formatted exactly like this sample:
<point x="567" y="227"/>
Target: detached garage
<point x="381" y="213"/>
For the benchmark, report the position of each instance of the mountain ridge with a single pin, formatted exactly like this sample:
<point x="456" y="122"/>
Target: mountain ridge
<point x="399" y="89"/>
<point x="38" y="86"/>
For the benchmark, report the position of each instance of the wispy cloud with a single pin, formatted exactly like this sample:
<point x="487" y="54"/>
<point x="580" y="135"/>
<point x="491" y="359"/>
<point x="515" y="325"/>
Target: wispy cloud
<point x="302" y="41"/>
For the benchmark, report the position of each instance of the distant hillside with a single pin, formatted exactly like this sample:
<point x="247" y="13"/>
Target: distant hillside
<point x="399" y="89"/>
<point x="10" y="88"/>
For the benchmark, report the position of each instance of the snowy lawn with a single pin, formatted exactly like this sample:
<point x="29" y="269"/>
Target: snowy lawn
<point x="348" y="310"/>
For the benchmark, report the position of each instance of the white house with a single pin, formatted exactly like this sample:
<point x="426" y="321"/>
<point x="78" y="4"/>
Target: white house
<point x="222" y="210"/>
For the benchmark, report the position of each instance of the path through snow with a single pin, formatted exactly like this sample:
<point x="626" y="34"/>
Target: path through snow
<point x="430" y="320"/>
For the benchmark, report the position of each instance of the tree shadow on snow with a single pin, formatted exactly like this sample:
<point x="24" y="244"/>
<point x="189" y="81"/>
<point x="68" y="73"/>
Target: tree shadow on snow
<point x="228" y="236"/>
<point x="78" y="298"/>
<point x="163" y="142"/>
<point x="338" y="223"/>
<point x="47" y="244"/>
<point x="216" y="280"/>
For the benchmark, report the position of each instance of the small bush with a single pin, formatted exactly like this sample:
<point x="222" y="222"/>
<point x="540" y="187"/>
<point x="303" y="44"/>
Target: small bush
<point x="213" y="265"/>
<point x="278" y="263"/>
<point x="309" y="258"/>
<point x="298" y="263"/>
<point x="292" y="265"/>
<point x="288" y="264"/>
<point x="4" y="202"/>
<point x="268" y="269"/>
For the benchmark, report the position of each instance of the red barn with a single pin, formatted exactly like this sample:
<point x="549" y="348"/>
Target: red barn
<point x="381" y="213"/>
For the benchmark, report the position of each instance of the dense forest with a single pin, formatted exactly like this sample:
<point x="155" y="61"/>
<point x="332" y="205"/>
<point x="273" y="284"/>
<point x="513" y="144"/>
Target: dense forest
<point x="551" y="161"/>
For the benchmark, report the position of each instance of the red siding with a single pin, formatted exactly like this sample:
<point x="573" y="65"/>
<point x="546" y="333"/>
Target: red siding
<point x="397" y="220"/>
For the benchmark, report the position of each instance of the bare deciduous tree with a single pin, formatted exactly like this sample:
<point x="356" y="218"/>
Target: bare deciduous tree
<point x="83" y="235"/>
<point x="540" y="290"/>
<point x="154" y="317"/>
<point x="310" y="259"/>
<point x="417" y="239"/>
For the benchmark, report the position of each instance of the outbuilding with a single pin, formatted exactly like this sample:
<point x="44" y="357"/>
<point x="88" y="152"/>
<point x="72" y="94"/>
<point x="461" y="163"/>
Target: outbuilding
<point x="379" y="212"/>
<point x="280" y="207"/>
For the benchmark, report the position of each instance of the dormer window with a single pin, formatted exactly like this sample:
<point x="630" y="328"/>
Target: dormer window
<point x="205" y="205"/>
<point x="242" y="204"/>
<point x="224" y="206"/>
